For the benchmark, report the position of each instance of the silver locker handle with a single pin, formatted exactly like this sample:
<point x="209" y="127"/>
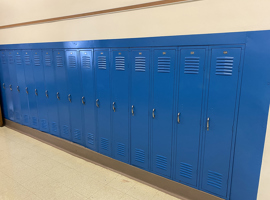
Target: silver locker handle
<point x="10" y="87"/>
<point x="4" y="85"/>
<point x="57" y="96"/>
<point x="132" y="110"/>
<point x="46" y="93"/>
<point x="36" y="92"/>
<point x="178" y="117"/>
<point x="83" y="102"/>
<point x="26" y="90"/>
<point x="208" y="123"/>
<point x="113" y="106"/>
<point x="69" y="98"/>
<point x="153" y="113"/>
<point x="18" y="88"/>
<point x="97" y="103"/>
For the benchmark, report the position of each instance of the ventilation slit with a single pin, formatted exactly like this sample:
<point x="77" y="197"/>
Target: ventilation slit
<point x="186" y="170"/>
<point x="90" y="138"/>
<point x="161" y="162"/>
<point x="72" y="61"/>
<point x="102" y="62"/>
<point x="65" y="130"/>
<point x="34" y="121"/>
<point x="48" y="60"/>
<point x="120" y="63"/>
<point x="59" y="61"/>
<point x="224" y="66"/>
<point x="164" y="64"/>
<point x="77" y="134"/>
<point x="105" y="144"/>
<point x="44" y="124"/>
<point x="54" y="127"/>
<point x="140" y="155"/>
<point x="27" y="60"/>
<point x="192" y="65"/>
<point x="121" y="149"/>
<point x="36" y="60"/>
<point x="10" y="59"/>
<point x="140" y="64"/>
<point x="214" y="179"/>
<point x="86" y="62"/>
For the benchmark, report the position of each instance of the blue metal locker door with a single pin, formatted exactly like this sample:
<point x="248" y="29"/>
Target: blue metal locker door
<point x="30" y="87"/>
<point x="88" y="98"/>
<point x="21" y="88"/>
<point x="224" y="73"/>
<point x="50" y="92"/>
<point x="75" y="96"/>
<point x="103" y="101"/>
<point x="120" y="106"/>
<point x="140" y="90"/>
<point x="3" y="84"/>
<point x="190" y="95"/>
<point x="62" y="93"/>
<point x="40" y="91"/>
<point x="13" y="87"/>
<point x="162" y="113"/>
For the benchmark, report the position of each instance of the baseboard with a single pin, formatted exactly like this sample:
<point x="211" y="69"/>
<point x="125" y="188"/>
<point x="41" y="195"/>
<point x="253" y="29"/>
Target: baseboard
<point x="171" y="187"/>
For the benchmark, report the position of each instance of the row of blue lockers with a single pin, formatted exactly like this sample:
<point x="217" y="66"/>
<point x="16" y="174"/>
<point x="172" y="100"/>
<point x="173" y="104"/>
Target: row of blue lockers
<point x="168" y="110"/>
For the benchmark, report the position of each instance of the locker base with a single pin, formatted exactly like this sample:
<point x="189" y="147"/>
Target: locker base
<point x="171" y="187"/>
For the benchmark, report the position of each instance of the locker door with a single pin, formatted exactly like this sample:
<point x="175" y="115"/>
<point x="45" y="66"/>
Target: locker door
<point x="40" y="91"/>
<point x="75" y="96"/>
<point x="30" y="87"/>
<point x="13" y="87"/>
<point x="140" y="90"/>
<point x="88" y="98"/>
<point x="221" y="109"/>
<point x="120" y="91"/>
<point x="62" y="93"/>
<point x="50" y="92"/>
<point x="190" y="94"/>
<point x="21" y="88"/>
<point x="162" y="113"/>
<point x="103" y="102"/>
<point x="3" y="84"/>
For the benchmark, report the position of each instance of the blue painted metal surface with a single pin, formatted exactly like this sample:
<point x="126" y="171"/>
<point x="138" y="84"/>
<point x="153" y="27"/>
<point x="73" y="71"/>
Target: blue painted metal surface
<point x="3" y="84"/>
<point x="87" y="99"/>
<point x="50" y="92"/>
<point x="139" y="107"/>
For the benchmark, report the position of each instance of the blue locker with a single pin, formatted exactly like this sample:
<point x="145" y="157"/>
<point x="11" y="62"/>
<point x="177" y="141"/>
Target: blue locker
<point x="88" y="98"/>
<point x="13" y="87"/>
<point x="190" y="96"/>
<point x="224" y="73"/>
<point x="3" y="84"/>
<point x="30" y="88"/>
<point x="75" y="96"/>
<point x="62" y="93"/>
<point x="103" y="101"/>
<point x="162" y="112"/>
<point x="140" y="91"/>
<point x="120" y="106"/>
<point x="50" y="92"/>
<point x="40" y="90"/>
<point x="21" y="88"/>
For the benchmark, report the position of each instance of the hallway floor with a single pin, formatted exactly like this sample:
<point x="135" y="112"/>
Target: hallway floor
<point x="32" y="170"/>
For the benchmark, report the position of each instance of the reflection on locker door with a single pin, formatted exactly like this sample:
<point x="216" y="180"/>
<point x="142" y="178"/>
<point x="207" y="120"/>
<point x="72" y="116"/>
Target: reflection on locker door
<point x="102" y="69"/>
<point x="3" y="84"/>
<point x="162" y="112"/>
<point x="74" y="96"/>
<point x="88" y="98"/>
<point x="21" y="88"/>
<point x="50" y="92"/>
<point x="190" y="95"/>
<point x="140" y="80"/>
<point x="30" y="87"/>
<point x="224" y="73"/>
<point x="40" y="90"/>
<point x="120" y="91"/>
<point x="62" y="93"/>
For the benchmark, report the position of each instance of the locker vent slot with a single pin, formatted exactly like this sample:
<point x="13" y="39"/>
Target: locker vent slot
<point x="18" y="59"/>
<point x="65" y="130"/>
<point x="164" y="64"/>
<point x="102" y="62"/>
<point x="3" y="59"/>
<point x="192" y="65"/>
<point x="186" y="170"/>
<point x="90" y="138"/>
<point x="27" y="60"/>
<point x="139" y="155"/>
<point x="18" y="116"/>
<point x="54" y="127"/>
<point x="36" y="60"/>
<point x="224" y="66"/>
<point x="59" y="61"/>
<point x="161" y="162"/>
<point x="105" y="144"/>
<point x="48" y="60"/>
<point x="10" y="59"/>
<point x="77" y="134"/>
<point x="140" y="64"/>
<point x="25" y="119"/>
<point x="120" y="63"/>
<point x="72" y="61"/>
<point x="86" y="62"/>
<point x="34" y="121"/>
<point x="44" y="124"/>
<point x="121" y="149"/>
<point x="214" y="179"/>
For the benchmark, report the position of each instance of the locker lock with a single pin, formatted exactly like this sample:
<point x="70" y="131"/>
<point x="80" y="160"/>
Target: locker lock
<point x="18" y="88"/>
<point x="10" y="87"/>
<point x="46" y="93"/>
<point x="153" y="113"/>
<point x="208" y="123"/>
<point x="4" y="85"/>
<point x="132" y="110"/>
<point x="97" y="103"/>
<point x="36" y="93"/>
<point x="178" y="117"/>
<point x="113" y="106"/>
<point x="26" y="90"/>
<point x="83" y="101"/>
<point x="57" y="96"/>
<point x="69" y="98"/>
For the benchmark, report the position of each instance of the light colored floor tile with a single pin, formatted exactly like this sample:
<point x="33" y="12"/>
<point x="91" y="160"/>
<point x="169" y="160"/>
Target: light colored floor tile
<point x="69" y="195"/>
<point x="141" y="191"/>
<point x="122" y="183"/>
<point x="127" y="197"/>
<point x="17" y="192"/>
<point x="162" y="196"/>
<point x="107" y="192"/>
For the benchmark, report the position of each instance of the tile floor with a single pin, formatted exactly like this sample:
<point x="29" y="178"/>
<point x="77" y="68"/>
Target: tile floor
<point x="32" y="170"/>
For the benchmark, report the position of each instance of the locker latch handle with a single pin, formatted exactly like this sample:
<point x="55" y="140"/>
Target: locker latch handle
<point x="83" y="102"/>
<point x="46" y="93"/>
<point x="36" y="93"/>
<point x="132" y="110"/>
<point x="69" y="98"/>
<point x="26" y="90"/>
<point x="178" y="117"/>
<point x="4" y="85"/>
<point x="153" y="113"/>
<point x="57" y="96"/>
<point x="208" y="123"/>
<point x="113" y="106"/>
<point x="97" y="103"/>
<point x="10" y="87"/>
<point x="18" y="88"/>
